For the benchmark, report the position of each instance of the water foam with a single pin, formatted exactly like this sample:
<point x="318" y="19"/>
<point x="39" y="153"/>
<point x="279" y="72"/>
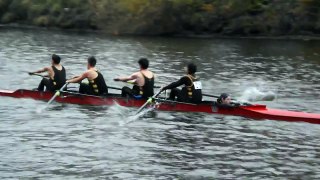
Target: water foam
<point x="256" y="94"/>
<point x="126" y="114"/>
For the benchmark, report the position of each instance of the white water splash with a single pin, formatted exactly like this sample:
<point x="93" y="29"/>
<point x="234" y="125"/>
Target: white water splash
<point x="132" y="118"/>
<point x="39" y="110"/>
<point x="42" y="108"/>
<point x="126" y="113"/>
<point x="255" y="94"/>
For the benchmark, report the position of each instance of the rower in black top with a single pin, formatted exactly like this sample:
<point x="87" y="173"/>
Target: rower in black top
<point x="56" y="75"/>
<point x="143" y="80"/>
<point x="191" y="92"/>
<point x="147" y="89"/>
<point x="97" y="84"/>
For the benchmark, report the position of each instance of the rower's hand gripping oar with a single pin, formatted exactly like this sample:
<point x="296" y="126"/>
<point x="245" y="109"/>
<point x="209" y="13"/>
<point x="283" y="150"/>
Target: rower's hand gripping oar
<point x="36" y="74"/>
<point x="57" y="93"/>
<point x="150" y="99"/>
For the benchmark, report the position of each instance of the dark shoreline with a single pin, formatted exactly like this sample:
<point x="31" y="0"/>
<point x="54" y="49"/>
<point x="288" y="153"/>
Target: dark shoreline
<point x="182" y="35"/>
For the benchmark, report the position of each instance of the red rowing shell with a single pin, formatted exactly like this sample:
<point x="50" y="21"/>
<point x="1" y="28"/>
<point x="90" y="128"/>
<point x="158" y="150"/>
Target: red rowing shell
<point x="250" y="111"/>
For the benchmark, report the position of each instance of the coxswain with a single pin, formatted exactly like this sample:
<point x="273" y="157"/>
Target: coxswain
<point x="56" y="75"/>
<point x="224" y="98"/>
<point x="225" y="101"/>
<point x="96" y="85"/>
<point x="143" y="81"/>
<point x="191" y="92"/>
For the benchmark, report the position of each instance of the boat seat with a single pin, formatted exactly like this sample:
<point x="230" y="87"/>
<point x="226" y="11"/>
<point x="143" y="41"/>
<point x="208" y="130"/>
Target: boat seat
<point x="137" y="96"/>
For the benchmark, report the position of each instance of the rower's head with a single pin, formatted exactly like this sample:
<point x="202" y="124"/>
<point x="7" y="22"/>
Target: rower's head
<point x="55" y="59"/>
<point x="224" y="98"/>
<point x="144" y="63"/>
<point x="191" y="68"/>
<point x="91" y="62"/>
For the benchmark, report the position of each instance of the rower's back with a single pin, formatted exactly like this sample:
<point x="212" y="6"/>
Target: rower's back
<point x="97" y="82"/>
<point x="148" y="83"/>
<point x="145" y="81"/>
<point x="192" y="91"/>
<point x="193" y="87"/>
<point x="58" y="77"/>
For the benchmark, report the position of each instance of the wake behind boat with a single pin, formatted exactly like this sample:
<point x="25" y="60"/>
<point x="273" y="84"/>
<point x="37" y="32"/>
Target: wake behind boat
<point x="255" y="111"/>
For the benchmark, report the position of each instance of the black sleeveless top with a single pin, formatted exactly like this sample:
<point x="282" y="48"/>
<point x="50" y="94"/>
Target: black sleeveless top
<point x="59" y="78"/>
<point x="98" y="85"/>
<point x="147" y="90"/>
<point x="194" y="94"/>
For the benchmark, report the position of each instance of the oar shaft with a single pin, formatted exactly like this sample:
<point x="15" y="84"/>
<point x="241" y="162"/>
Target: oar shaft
<point x="36" y="74"/>
<point x="173" y="102"/>
<point x="57" y="93"/>
<point x="53" y="97"/>
<point x="148" y="101"/>
<point x="116" y="88"/>
<point x="142" y="107"/>
<point x="208" y="95"/>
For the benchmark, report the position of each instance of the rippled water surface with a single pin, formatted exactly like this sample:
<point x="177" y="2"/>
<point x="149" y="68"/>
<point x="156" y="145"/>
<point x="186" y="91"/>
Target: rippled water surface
<point x="85" y="142"/>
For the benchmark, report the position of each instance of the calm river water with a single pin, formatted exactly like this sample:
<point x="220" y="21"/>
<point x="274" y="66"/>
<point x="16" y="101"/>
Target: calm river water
<point x="83" y="142"/>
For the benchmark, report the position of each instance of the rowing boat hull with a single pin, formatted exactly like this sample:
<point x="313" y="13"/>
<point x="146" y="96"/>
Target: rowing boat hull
<point x="249" y="111"/>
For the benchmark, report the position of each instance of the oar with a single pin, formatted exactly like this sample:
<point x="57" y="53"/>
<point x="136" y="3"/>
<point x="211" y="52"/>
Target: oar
<point x="36" y="74"/>
<point x="116" y="88"/>
<point x="148" y="102"/>
<point x="57" y="93"/>
<point x="208" y="95"/>
<point x="172" y="101"/>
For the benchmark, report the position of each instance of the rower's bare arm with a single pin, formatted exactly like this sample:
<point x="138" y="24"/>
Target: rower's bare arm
<point x="45" y="69"/>
<point x="125" y="79"/>
<point x="77" y="79"/>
